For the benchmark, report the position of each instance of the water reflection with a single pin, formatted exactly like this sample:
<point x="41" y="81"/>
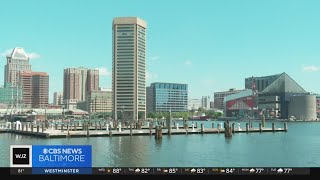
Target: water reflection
<point x="298" y="147"/>
<point x="228" y="140"/>
<point x="158" y="143"/>
<point x="128" y="151"/>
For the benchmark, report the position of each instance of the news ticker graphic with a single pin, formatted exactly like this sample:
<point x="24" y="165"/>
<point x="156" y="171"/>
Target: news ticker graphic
<point x="167" y="171"/>
<point x="52" y="159"/>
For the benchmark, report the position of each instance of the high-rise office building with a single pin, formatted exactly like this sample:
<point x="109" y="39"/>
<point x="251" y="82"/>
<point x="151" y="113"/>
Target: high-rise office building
<point x="78" y="82"/>
<point x="57" y="98"/>
<point x="35" y="88"/>
<point x="92" y="80"/>
<point x="205" y="102"/>
<point x="163" y="97"/>
<point x="129" y="67"/>
<point x="17" y="61"/>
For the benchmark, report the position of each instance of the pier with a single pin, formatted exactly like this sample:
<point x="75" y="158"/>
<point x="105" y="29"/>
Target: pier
<point x="100" y="129"/>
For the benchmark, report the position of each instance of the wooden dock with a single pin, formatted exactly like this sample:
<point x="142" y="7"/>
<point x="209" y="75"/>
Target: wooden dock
<point x="70" y="131"/>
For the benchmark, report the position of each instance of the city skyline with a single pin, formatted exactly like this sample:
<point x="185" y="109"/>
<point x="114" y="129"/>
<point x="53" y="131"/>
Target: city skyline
<point x="242" y="39"/>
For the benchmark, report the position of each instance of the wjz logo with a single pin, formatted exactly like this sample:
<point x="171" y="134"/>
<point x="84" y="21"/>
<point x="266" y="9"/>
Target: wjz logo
<point x="20" y="156"/>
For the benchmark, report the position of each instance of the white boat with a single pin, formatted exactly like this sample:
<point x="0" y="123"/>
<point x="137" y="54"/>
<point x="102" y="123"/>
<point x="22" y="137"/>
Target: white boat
<point x="292" y="118"/>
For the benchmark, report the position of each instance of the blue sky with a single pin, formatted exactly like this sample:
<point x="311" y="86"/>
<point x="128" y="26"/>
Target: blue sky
<point x="211" y="45"/>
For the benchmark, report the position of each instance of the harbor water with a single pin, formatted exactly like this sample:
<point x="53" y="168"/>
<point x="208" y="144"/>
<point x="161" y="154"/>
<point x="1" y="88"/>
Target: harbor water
<point x="299" y="147"/>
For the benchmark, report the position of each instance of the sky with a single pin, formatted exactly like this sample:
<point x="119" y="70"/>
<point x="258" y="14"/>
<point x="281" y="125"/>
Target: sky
<point x="212" y="45"/>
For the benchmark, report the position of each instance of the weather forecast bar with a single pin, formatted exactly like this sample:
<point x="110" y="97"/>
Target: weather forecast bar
<point x="163" y="171"/>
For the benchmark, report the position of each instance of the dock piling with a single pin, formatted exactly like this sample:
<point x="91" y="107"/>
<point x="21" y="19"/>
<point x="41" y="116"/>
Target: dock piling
<point x="273" y="127"/>
<point x="202" y="128"/>
<point x="88" y="133"/>
<point x="247" y="127"/>
<point x="158" y="134"/>
<point x="32" y="127"/>
<point x="227" y="130"/>
<point x="286" y="126"/>
<point x="260" y="127"/>
<point x="38" y="128"/>
<point x="42" y="127"/>
<point x="233" y="127"/>
<point x="68" y="130"/>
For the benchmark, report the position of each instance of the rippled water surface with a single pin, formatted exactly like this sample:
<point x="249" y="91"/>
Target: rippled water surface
<point x="299" y="147"/>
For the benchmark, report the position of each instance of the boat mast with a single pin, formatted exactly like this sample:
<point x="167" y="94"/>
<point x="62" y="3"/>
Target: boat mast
<point x="253" y="87"/>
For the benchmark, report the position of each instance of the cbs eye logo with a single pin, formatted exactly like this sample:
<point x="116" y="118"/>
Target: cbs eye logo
<point x="21" y="156"/>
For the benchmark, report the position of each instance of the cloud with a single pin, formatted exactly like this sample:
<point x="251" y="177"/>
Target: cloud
<point x="6" y="52"/>
<point x="33" y="55"/>
<point x="103" y="71"/>
<point x="311" y="68"/>
<point x="151" y="76"/>
<point x="154" y="58"/>
<point x="188" y="63"/>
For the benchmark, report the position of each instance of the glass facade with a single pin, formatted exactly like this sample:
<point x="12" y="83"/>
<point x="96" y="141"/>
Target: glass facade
<point x="260" y="82"/>
<point x="166" y="96"/>
<point x="9" y="94"/>
<point x="284" y="87"/>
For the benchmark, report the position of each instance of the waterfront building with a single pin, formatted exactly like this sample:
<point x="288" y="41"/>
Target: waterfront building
<point x="303" y="107"/>
<point x="219" y="97"/>
<point x="99" y="101"/>
<point x="239" y="105"/>
<point x="260" y="82"/>
<point x="205" y="102"/>
<point x="35" y="88"/>
<point x="57" y="98"/>
<point x="211" y="104"/>
<point x="318" y="105"/>
<point x="167" y="96"/>
<point x="78" y="82"/>
<point x="129" y="67"/>
<point x="17" y="61"/>
<point x="194" y="104"/>
<point x="276" y="97"/>
<point x="10" y="94"/>
<point x="72" y="104"/>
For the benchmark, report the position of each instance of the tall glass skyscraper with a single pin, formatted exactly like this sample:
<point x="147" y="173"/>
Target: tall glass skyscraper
<point x="163" y="97"/>
<point x="129" y="68"/>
